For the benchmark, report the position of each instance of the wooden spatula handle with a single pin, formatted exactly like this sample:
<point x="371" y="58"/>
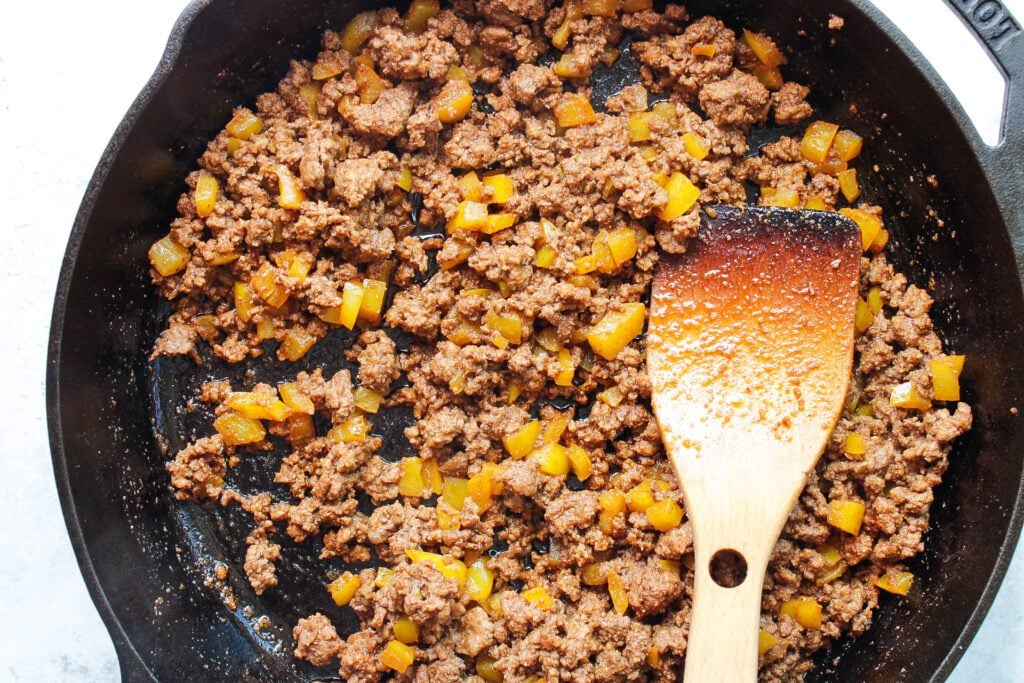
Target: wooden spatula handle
<point x="741" y="515"/>
<point x="722" y="645"/>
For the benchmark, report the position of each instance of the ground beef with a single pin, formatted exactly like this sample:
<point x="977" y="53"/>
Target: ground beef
<point x="177" y="340"/>
<point x="386" y="117"/>
<point x="427" y="597"/>
<point x="473" y="338"/>
<point x="650" y="588"/>
<point x="355" y="180"/>
<point x="337" y="395"/>
<point x="671" y="57"/>
<point x="316" y="640"/>
<point x="790" y="105"/>
<point x="737" y="100"/>
<point x="528" y="80"/>
<point x="378" y="362"/>
<point x="198" y="470"/>
<point x="259" y="563"/>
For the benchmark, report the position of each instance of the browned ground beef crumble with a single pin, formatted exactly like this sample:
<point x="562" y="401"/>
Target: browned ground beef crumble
<point x="356" y="224"/>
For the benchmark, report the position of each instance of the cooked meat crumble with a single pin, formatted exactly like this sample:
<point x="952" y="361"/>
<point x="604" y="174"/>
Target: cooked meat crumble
<point x="435" y="177"/>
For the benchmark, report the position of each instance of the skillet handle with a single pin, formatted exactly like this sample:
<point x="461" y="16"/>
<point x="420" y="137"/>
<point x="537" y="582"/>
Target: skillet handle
<point x="1003" y="35"/>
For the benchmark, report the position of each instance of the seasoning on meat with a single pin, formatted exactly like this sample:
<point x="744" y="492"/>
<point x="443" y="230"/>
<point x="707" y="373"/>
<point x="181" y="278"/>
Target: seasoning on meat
<point x="488" y="231"/>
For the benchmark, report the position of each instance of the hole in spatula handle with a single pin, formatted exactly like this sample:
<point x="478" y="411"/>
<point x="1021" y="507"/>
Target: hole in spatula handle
<point x="728" y="568"/>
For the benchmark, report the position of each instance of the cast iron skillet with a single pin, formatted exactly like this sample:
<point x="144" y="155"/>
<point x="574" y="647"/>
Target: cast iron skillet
<point x="113" y="416"/>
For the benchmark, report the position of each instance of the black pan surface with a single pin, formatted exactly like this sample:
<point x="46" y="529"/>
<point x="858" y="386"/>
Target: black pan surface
<point x="114" y="418"/>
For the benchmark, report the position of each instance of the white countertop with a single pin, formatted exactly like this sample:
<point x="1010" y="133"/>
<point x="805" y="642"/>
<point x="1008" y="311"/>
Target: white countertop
<point x="68" y="72"/>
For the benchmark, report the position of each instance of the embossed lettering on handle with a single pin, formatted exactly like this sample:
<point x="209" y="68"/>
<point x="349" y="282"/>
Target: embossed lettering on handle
<point x="990" y="20"/>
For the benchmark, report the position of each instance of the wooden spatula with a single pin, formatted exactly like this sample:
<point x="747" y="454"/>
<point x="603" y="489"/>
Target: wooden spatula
<point x="749" y="350"/>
